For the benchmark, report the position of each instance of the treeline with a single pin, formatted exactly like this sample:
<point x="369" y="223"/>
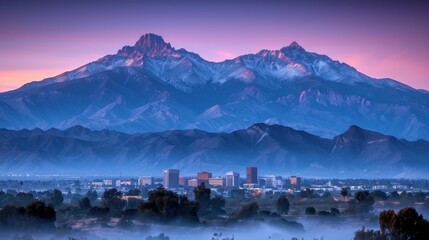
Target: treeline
<point x="22" y="199"/>
<point x="36" y="215"/>
<point x="407" y="224"/>
<point x="162" y="206"/>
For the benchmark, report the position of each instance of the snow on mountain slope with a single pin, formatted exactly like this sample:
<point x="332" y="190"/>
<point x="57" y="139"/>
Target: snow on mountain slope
<point x="152" y="86"/>
<point x="183" y="69"/>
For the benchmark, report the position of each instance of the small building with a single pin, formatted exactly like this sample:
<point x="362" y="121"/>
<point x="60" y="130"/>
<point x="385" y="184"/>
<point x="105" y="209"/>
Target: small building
<point x="294" y="182"/>
<point x="107" y="182"/>
<point x="97" y="183"/>
<point x="203" y="177"/>
<point x="217" y="182"/>
<point x="193" y="182"/>
<point x="145" y="180"/>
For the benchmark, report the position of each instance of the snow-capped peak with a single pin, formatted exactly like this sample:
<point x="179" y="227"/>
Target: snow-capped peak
<point x="295" y="46"/>
<point x="152" y="42"/>
<point x="183" y="69"/>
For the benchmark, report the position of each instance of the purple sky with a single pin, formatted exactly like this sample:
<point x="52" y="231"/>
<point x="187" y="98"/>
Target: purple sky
<point x="39" y="39"/>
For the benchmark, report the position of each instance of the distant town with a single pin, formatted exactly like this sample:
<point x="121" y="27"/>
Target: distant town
<point x="251" y="184"/>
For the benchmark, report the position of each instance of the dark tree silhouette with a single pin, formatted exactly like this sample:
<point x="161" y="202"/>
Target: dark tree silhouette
<point x="335" y="212"/>
<point x="237" y="194"/>
<point x="394" y="195"/>
<point x="282" y="205"/>
<point x="363" y="234"/>
<point x="165" y="205"/>
<point x="134" y="192"/>
<point x="202" y="196"/>
<point x="248" y="211"/>
<point x="217" y="204"/>
<point x="379" y="195"/>
<point x="411" y="225"/>
<point x="23" y="199"/>
<point x="310" y="211"/>
<point x="388" y="223"/>
<point x="56" y="198"/>
<point x="112" y="199"/>
<point x="406" y="225"/>
<point x="362" y="203"/>
<point x="92" y="195"/>
<point x="344" y="192"/>
<point x="85" y="203"/>
<point x="39" y="211"/>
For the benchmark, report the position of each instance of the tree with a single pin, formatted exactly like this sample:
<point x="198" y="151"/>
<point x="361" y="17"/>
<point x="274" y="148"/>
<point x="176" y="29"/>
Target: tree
<point x="40" y="212"/>
<point x="112" y="199"/>
<point x="378" y="194"/>
<point x="368" y="235"/>
<point x="344" y="192"/>
<point x="202" y="196"/>
<point x="310" y="211"/>
<point x="411" y="225"/>
<point x="248" y="211"/>
<point x="282" y="205"/>
<point x="237" y="194"/>
<point x="388" y="223"/>
<point x="57" y="197"/>
<point x="134" y="192"/>
<point x="217" y="204"/>
<point x="406" y="225"/>
<point x="166" y="205"/>
<point x="394" y="195"/>
<point x="23" y="199"/>
<point x="92" y="195"/>
<point x="308" y="193"/>
<point x="85" y="203"/>
<point x="335" y="212"/>
<point x="362" y="203"/>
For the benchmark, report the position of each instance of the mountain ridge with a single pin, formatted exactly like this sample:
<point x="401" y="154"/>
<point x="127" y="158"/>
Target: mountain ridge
<point x="78" y="150"/>
<point x="151" y="86"/>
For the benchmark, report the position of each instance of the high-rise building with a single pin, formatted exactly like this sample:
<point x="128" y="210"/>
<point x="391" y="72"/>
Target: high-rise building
<point x="232" y="179"/>
<point x="252" y="175"/>
<point x="203" y="177"/>
<point x="145" y="180"/>
<point x="171" y="178"/>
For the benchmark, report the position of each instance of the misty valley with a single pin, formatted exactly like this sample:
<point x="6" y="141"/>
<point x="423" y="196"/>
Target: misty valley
<point x="90" y="208"/>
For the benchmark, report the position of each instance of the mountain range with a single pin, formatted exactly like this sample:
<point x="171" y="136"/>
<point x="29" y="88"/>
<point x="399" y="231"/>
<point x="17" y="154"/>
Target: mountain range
<point x="357" y="152"/>
<point x="152" y="87"/>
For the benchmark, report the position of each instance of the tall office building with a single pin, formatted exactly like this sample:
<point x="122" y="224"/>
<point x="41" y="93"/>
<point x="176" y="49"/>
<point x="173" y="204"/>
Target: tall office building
<point x="232" y="179"/>
<point x="252" y="175"/>
<point x="203" y="177"/>
<point x="171" y="178"/>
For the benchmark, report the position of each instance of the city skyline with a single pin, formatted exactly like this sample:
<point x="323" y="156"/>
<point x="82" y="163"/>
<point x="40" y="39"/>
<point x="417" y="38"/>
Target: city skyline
<point x="379" y="40"/>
